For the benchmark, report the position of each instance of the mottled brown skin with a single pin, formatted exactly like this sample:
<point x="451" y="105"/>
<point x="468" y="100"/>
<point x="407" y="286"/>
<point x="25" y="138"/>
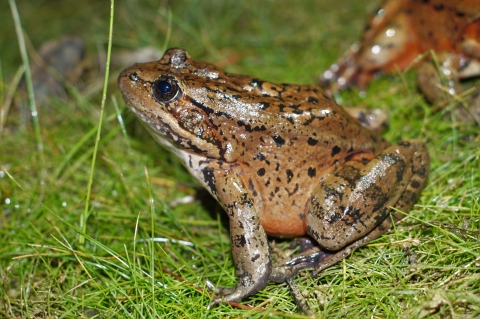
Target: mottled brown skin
<point x="283" y="160"/>
<point x="400" y="31"/>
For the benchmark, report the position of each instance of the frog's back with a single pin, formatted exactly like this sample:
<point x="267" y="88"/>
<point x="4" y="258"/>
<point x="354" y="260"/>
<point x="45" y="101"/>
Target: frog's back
<point x="441" y="24"/>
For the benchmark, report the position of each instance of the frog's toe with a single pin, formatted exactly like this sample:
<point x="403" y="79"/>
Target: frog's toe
<point x="241" y="290"/>
<point x="218" y="290"/>
<point x="224" y="299"/>
<point x="216" y="302"/>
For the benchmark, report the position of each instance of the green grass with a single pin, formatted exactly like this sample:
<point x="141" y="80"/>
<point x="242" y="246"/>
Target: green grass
<point x="429" y="266"/>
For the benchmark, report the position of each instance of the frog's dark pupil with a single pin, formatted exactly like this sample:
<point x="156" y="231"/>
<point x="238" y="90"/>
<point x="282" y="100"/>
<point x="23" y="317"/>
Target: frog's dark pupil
<point x="164" y="87"/>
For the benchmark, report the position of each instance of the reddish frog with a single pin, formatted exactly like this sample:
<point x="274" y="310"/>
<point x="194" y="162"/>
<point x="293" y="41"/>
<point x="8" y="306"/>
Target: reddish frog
<point x="400" y="31"/>
<point x="282" y="160"/>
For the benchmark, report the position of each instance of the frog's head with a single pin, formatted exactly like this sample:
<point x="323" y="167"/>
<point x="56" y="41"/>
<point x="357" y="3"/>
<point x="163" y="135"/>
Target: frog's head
<point x="183" y="101"/>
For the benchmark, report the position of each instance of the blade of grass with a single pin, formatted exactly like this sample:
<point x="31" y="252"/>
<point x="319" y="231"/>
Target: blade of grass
<point x="7" y="95"/>
<point x="118" y="112"/>
<point x="151" y="243"/>
<point x="31" y="94"/>
<point x="84" y="216"/>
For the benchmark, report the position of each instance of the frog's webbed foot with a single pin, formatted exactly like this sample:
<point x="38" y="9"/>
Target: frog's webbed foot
<point x="251" y="281"/>
<point x="319" y="258"/>
<point x="338" y="256"/>
<point x="308" y="258"/>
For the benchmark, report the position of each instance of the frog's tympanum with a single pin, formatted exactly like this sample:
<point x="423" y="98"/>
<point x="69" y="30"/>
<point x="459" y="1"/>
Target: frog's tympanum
<point x="400" y="31"/>
<point x="282" y="160"/>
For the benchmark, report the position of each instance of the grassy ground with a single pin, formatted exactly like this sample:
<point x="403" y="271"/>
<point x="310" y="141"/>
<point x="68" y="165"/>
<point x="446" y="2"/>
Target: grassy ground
<point x="427" y="267"/>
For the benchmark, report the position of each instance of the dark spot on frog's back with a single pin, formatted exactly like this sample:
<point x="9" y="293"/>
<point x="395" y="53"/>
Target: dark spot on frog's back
<point x="422" y="172"/>
<point x="279" y="140"/>
<point x="259" y="156"/>
<point x="415" y="184"/>
<point x="410" y="197"/>
<point x="293" y="192"/>
<point x="335" y="150"/>
<point x="439" y="7"/>
<point x="261" y="172"/>
<point x="289" y="175"/>
<point x="312" y="100"/>
<point x="251" y="129"/>
<point x="256" y="83"/>
<point x="404" y="143"/>
<point x="263" y="105"/>
<point x="312" y="172"/>
<point x="235" y="97"/>
<point x="252" y="188"/>
<point x="460" y="14"/>
<point x="312" y="141"/>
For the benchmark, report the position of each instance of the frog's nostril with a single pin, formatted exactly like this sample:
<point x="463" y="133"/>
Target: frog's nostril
<point x="133" y="76"/>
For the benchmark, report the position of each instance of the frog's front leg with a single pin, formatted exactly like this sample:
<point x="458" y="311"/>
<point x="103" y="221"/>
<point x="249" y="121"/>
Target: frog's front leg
<point x="352" y="206"/>
<point x="250" y="249"/>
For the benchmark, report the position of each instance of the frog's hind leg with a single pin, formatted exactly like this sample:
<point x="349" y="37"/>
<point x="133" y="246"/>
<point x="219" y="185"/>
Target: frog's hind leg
<point x="352" y="206"/>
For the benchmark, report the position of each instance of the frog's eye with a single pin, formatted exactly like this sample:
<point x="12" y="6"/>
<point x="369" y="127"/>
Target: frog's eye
<point x="165" y="89"/>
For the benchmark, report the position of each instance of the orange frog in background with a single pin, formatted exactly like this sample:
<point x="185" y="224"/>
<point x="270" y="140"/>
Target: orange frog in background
<point x="400" y="31"/>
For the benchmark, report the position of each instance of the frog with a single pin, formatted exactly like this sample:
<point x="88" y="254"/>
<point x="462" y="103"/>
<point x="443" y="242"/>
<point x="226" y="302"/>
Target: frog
<point x="441" y="37"/>
<point x="283" y="160"/>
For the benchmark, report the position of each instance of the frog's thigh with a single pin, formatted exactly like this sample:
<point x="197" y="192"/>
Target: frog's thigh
<point x="357" y="197"/>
